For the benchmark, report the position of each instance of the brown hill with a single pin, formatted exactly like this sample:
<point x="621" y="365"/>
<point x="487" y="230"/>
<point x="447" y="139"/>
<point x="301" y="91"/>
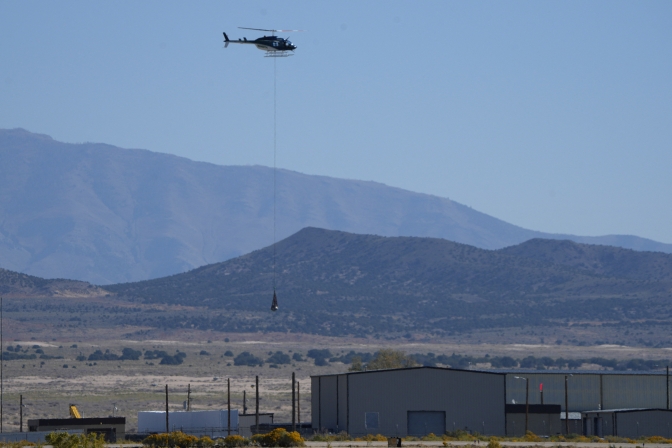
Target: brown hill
<point x="340" y="284"/>
<point x="606" y="261"/>
<point x="17" y="285"/>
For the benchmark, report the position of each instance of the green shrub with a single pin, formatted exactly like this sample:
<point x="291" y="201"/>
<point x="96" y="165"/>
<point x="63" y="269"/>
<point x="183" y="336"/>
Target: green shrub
<point x="279" y="358"/>
<point x="325" y="437"/>
<point x="493" y="443"/>
<point x="279" y="437"/>
<point x="17" y="444"/>
<point x="247" y="359"/>
<point x="531" y="437"/>
<point x="177" y="439"/>
<point x="372" y="438"/>
<point x="65" y="440"/>
<point x="235" y="440"/>
<point x="459" y="435"/>
<point x="204" y="442"/>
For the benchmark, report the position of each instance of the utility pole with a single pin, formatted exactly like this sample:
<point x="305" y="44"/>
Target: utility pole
<point x="256" y="415"/>
<point x="668" y="386"/>
<point x="298" y="403"/>
<point x="20" y="413"/>
<point x="293" y="402"/>
<point x="188" y="397"/>
<point x="566" y="407"/>
<point x="527" y="403"/>
<point x="527" y="399"/>
<point x="228" y="406"/>
<point x="244" y="402"/>
<point x="167" y="423"/>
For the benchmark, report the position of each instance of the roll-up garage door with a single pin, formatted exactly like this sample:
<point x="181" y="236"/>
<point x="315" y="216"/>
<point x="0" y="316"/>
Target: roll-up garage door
<point x="421" y="423"/>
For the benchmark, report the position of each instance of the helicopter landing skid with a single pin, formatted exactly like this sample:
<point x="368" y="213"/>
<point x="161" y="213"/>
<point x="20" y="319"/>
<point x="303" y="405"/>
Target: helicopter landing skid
<point x="278" y="54"/>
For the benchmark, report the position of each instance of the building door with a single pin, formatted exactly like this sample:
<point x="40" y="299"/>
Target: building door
<point x="421" y="423"/>
<point x="598" y="427"/>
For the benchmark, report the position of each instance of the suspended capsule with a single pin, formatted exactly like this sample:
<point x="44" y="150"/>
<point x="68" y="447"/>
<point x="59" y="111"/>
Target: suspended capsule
<point x="274" y="305"/>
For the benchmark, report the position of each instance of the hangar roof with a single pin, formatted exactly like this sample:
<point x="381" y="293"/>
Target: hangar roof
<point x="490" y="372"/>
<point x="513" y="371"/>
<point x="618" y="411"/>
<point x="578" y="372"/>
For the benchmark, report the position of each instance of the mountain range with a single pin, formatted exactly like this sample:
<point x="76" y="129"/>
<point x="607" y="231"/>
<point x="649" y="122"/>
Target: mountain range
<point x="343" y="284"/>
<point x="104" y="214"/>
<point x="348" y="285"/>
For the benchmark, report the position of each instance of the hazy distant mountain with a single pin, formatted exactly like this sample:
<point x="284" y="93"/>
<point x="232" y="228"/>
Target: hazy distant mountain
<point x="104" y="214"/>
<point x="339" y="284"/>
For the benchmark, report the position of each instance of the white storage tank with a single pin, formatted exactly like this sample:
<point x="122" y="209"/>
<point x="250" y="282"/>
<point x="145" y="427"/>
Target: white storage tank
<point x="198" y="423"/>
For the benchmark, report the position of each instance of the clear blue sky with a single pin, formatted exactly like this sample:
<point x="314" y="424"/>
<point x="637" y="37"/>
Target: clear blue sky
<point x="553" y="115"/>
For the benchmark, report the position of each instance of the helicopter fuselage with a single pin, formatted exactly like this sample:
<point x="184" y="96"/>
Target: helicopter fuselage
<point x="266" y="43"/>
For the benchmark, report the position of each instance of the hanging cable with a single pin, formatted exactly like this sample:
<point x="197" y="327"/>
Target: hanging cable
<point x="275" y="152"/>
<point x="274" y="305"/>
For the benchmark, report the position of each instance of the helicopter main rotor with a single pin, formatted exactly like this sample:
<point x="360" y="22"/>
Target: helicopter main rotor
<point x="270" y="31"/>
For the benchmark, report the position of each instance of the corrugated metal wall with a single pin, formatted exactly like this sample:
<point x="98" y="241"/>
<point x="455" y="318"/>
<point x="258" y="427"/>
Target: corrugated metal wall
<point x="328" y="402"/>
<point x="644" y="423"/>
<point x="591" y="391"/>
<point x="540" y="424"/>
<point x="583" y="391"/>
<point x="471" y="400"/>
<point x="315" y="401"/>
<point x="632" y="424"/>
<point x="634" y="391"/>
<point x="342" y="422"/>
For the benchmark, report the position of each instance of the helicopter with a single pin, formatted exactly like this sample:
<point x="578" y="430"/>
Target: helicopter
<point x="274" y="46"/>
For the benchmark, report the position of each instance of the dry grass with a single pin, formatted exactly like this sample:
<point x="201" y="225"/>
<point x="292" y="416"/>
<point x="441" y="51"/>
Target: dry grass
<point x="138" y="385"/>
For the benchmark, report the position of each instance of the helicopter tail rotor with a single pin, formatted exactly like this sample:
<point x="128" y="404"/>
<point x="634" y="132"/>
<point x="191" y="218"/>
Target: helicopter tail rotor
<point x="226" y="40"/>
